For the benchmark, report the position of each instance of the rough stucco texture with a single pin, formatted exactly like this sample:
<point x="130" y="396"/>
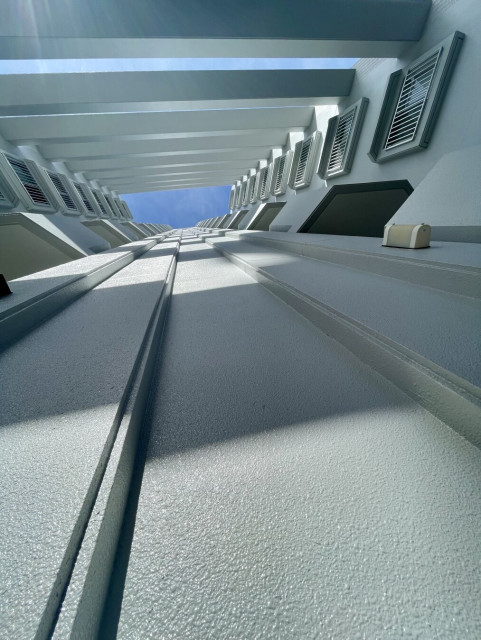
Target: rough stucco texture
<point x="290" y="492"/>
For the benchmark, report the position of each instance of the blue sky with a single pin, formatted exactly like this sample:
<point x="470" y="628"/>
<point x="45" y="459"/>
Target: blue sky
<point x="180" y="207"/>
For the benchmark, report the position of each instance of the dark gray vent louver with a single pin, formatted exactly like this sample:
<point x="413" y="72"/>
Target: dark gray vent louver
<point x="99" y="202"/>
<point x="280" y="174"/>
<point x="412" y="100"/>
<point x="340" y="142"/>
<point x="29" y="183"/>
<point x="62" y="191"/>
<point x="83" y="195"/>
<point x="251" y="191"/>
<point x="305" y="156"/>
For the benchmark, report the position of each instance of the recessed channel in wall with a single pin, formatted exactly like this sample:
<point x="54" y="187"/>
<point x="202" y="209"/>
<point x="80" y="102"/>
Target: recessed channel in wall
<point x="360" y="209"/>
<point x="266" y="214"/>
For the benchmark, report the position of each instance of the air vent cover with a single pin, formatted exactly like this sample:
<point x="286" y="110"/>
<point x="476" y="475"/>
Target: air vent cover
<point x="341" y="140"/>
<point x="62" y="191"/>
<point x="111" y="205"/>
<point x="264" y="182"/>
<point x="30" y="185"/>
<point x="280" y="174"/>
<point x="100" y="203"/>
<point x="232" y="197"/>
<point x="305" y="156"/>
<point x="83" y="194"/>
<point x="243" y="192"/>
<point x="412" y="100"/>
<point x="251" y="191"/>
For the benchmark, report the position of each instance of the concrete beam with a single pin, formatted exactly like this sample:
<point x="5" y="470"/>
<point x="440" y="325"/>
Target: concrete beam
<point x="99" y="89"/>
<point x="34" y="129"/>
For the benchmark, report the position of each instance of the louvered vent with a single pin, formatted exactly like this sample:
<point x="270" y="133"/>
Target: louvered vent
<point x="412" y="99"/>
<point x="281" y="163"/>
<point x="341" y="139"/>
<point x="251" y="194"/>
<point x="100" y="203"/>
<point x="29" y="183"/>
<point x="111" y="204"/>
<point x="3" y="198"/>
<point x="302" y="164"/>
<point x="232" y="198"/>
<point x="83" y="195"/>
<point x="263" y="186"/>
<point x="62" y="191"/>
<point x="243" y="192"/>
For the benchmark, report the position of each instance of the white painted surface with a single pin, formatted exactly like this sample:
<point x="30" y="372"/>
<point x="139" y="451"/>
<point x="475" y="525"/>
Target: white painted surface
<point x="289" y="492"/>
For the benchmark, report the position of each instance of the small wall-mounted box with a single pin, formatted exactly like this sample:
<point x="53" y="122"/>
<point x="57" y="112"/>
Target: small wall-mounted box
<point x="407" y="236"/>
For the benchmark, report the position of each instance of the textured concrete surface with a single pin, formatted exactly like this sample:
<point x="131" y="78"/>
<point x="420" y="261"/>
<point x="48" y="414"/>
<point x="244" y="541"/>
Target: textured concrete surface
<point x="290" y="492"/>
<point x="62" y="392"/>
<point x="442" y="327"/>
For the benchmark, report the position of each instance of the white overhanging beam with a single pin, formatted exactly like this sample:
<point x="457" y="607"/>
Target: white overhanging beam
<point x="120" y="28"/>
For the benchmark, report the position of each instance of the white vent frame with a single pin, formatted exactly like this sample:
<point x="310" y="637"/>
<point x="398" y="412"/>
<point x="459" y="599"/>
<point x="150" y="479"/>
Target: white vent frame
<point x="253" y="188"/>
<point x="340" y="145"/>
<point x="102" y="202"/>
<point x="232" y="196"/>
<point x="110" y="201"/>
<point x="116" y="200"/>
<point x="447" y="53"/>
<point x="307" y="152"/>
<point x="87" y="193"/>
<point x="264" y="186"/>
<point x="17" y="187"/>
<point x="281" y="173"/>
<point x="242" y="195"/>
<point x="70" y="190"/>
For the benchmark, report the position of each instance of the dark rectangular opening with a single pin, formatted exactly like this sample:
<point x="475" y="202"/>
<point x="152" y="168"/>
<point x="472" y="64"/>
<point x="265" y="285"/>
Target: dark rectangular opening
<point x="267" y="215"/>
<point x="361" y="209"/>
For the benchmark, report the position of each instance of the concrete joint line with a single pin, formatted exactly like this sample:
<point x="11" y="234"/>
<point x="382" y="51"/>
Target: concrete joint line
<point x="84" y="590"/>
<point x="448" y="397"/>
<point x="17" y="322"/>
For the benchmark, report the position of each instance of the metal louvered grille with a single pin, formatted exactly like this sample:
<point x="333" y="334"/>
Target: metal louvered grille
<point x="250" y="188"/>
<point x="28" y="181"/>
<point x="99" y="202"/>
<point x="302" y="164"/>
<point x="111" y="204"/>
<point x="410" y="106"/>
<point x="62" y="191"/>
<point x="243" y="192"/>
<point x="83" y="195"/>
<point x="263" y="180"/>
<point x="253" y="188"/>
<point x="341" y="139"/>
<point x="2" y="196"/>
<point x="280" y="171"/>
<point x="232" y="198"/>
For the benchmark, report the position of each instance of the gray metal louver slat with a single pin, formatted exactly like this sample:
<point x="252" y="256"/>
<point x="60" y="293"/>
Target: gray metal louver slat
<point x="410" y="105"/>
<point x="62" y="191"/>
<point x="83" y="195"/>
<point x="2" y="196"/>
<point x="280" y="170"/>
<point x="341" y="140"/>
<point x="250" y="188"/>
<point x="28" y="181"/>
<point x="99" y="202"/>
